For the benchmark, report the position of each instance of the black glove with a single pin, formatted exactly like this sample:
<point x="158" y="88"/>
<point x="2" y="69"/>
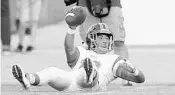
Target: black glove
<point x="69" y="2"/>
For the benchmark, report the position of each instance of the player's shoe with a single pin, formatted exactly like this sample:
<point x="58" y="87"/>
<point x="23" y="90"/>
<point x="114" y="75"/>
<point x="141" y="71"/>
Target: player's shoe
<point x="19" y="48"/>
<point x="19" y="74"/>
<point x="88" y="67"/>
<point x="29" y="48"/>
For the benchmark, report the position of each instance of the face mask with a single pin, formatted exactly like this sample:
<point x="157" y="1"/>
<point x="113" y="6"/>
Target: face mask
<point x="103" y="43"/>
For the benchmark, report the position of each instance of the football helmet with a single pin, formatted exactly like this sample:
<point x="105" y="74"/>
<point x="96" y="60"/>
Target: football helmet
<point x="92" y="34"/>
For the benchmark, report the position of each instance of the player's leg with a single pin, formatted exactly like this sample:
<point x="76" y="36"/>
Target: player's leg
<point x="115" y="22"/>
<point x="23" y="18"/>
<point x="17" y="22"/>
<point x="31" y="33"/>
<point x="88" y="75"/>
<point x="35" y="7"/>
<point x="21" y="36"/>
<point x="56" y="78"/>
<point x="90" y="20"/>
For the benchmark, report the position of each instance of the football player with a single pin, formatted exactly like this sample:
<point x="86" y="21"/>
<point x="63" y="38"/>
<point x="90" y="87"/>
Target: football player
<point x="109" y="12"/>
<point x="93" y="68"/>
<point x="28" y="17"/>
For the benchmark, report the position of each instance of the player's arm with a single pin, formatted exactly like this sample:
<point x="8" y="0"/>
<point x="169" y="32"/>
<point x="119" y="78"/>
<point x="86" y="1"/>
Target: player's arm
<point x="125" y="70"/>
<point x="74" y="17"/>
<point x="72" y="52"/>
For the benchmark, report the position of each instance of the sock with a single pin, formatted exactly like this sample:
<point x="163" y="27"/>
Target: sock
<point x="33" y="79"/>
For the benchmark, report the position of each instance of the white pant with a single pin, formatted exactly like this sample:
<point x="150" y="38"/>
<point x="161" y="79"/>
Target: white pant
<point x="63" y="80"/>
<point x="29" y="10"/>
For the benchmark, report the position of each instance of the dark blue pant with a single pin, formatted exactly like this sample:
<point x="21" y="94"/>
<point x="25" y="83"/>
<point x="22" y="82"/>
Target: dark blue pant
<point x="5" y="22"/>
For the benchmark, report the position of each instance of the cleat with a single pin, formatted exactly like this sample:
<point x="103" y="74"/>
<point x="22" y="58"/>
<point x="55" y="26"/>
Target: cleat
<point x="20" y="76"/>
<point x="28" y="31"/>
<point x="19" y="48"/>
<point x="29" y="48"/>
<point x="88" y="67"/>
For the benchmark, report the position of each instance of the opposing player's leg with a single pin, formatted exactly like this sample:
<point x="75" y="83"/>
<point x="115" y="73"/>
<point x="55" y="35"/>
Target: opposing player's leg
<point x="21" y="36"/>
<point x="17" y="22"/>
<point x="23" y="18"/>
<point x="56" y="78"/>
<point x="34" y="18"/>
<point x="115" y="22"/>
<point x="32" y="36"/>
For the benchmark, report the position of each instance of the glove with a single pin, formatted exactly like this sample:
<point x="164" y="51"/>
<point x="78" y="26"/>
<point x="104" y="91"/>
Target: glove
<point x="69" y="2"/>
<point x="75" y="16"/>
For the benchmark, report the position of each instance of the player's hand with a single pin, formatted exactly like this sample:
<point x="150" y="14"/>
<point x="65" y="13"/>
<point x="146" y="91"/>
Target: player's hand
<point x="129" y="67"/>
<point x="75" y="16"/>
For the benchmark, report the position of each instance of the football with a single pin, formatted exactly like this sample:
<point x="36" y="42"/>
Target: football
<point x="75" y="16"/>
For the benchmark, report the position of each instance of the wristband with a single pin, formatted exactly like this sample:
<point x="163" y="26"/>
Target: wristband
<point x="71" y="31"/>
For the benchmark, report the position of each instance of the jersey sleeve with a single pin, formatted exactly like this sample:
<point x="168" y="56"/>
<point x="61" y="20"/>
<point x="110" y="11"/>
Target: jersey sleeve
<point x="116" y="64"/>
<point x="83" y="53"/>
<point x="82" y="50"/>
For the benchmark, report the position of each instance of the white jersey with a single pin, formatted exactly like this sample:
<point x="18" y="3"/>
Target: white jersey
<point x="104" y="63"/>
